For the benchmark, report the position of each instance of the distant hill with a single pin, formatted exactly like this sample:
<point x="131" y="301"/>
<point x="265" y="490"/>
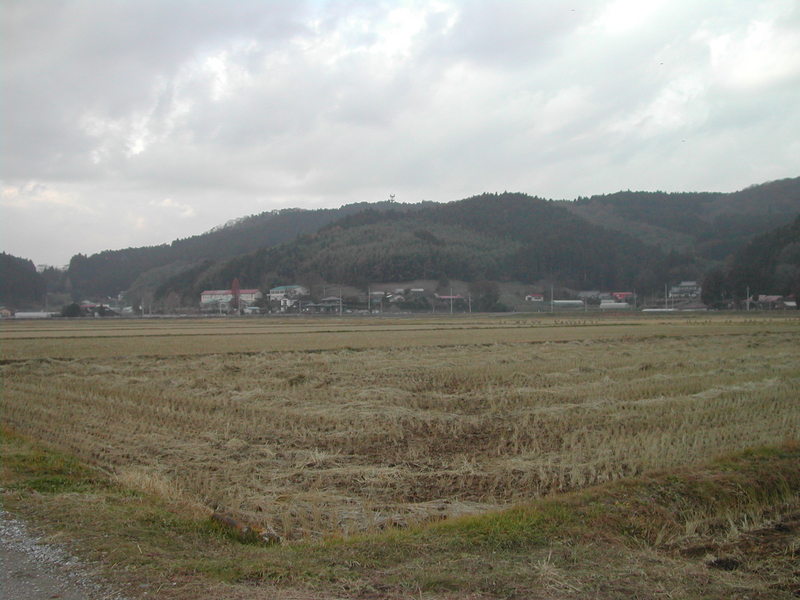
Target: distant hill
<point x="109" y="272"/>
<point x="710" y="225"/>
<point x="488" y="237"/>
<point x="588" y="242"/>
<point x="20" y="285"/>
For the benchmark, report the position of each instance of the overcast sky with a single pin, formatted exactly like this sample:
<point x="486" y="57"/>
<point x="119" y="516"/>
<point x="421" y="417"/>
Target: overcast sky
<point x="135" y="122"/>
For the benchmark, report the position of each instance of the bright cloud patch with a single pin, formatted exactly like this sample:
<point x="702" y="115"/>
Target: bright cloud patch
<point x="35" y="195"/>
<point x="183" y="210"/>
<point x="762" y="55"/>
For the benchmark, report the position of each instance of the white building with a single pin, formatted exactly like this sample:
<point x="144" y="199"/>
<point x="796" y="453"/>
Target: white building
<point x="215" y="298"/>
<point x="287" y="291"/>
<point x="614" y="305"/>
<point x="685" y="289"/>
<point x="287" y="295"/>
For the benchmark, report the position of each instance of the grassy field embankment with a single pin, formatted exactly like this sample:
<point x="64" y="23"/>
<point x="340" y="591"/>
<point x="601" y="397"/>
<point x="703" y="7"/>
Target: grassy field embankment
<point x="727" y="529"/>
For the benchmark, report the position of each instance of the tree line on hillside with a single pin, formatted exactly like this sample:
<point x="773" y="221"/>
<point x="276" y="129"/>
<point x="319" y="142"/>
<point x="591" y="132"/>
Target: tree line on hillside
<point x="20" y="285"/>
<point x="112" y="271"/>
<point x="681" y="212"/>
<point x="710" y="225"/>
<point x="768" y="265"/>
<point x="501" y="237"/>
<point x="638" y="240"/>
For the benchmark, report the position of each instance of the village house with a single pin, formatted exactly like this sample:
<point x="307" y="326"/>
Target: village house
<point x="287" y="291"/>
<point x="773" y="302"/>
<point x="622" y="296"/>
<point x="222" y="299"/>
<point x="685" y="289"/>
<point x="589" y="295"/>
<point x="287" y="295"/>
<point x="329" y="304"/>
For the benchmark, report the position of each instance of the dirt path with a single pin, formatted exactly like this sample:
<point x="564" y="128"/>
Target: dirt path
<point x="31" y="569"/>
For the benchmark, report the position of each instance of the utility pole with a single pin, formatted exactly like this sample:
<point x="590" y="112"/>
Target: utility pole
<point x="340" y="301"/>
<point x="748" y="297"/>
<point x="451" y="300"/>
<point x="552" y="300"/>
<point x="369" y="300"/>
<point x="469" y="302"/>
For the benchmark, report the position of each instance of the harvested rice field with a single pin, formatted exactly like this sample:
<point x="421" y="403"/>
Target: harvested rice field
<point x="323" y="427"/>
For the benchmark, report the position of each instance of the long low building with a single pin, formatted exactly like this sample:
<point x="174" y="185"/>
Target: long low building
<point x="611" y="305"/>
<point x="209" y="297"/>
<point x="568" y="303"/>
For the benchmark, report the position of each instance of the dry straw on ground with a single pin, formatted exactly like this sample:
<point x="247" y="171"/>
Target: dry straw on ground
<point x="372" y="430"/>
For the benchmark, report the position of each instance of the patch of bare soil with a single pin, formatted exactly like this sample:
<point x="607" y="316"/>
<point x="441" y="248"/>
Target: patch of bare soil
<point x="32" y="569"/>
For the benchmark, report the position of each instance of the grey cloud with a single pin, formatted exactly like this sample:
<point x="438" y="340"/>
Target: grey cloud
<point x="107" y="58"/>
<point x="231" y="108"/>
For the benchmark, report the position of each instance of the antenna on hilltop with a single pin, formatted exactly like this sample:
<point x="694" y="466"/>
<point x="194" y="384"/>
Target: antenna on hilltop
<point x="391" y="197"/>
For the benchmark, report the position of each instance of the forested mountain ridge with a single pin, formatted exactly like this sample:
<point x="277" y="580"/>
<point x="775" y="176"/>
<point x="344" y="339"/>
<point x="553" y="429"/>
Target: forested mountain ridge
<point x="695" y="230"/>
<point x="488" y="237"/>
<point x="709" y="225"/>
<point x="109" y="272"/>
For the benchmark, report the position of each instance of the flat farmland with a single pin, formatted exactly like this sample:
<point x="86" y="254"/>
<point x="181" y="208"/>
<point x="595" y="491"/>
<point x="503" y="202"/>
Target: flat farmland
<point x="99" y="338"/>
<point x="316" y="427"/>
